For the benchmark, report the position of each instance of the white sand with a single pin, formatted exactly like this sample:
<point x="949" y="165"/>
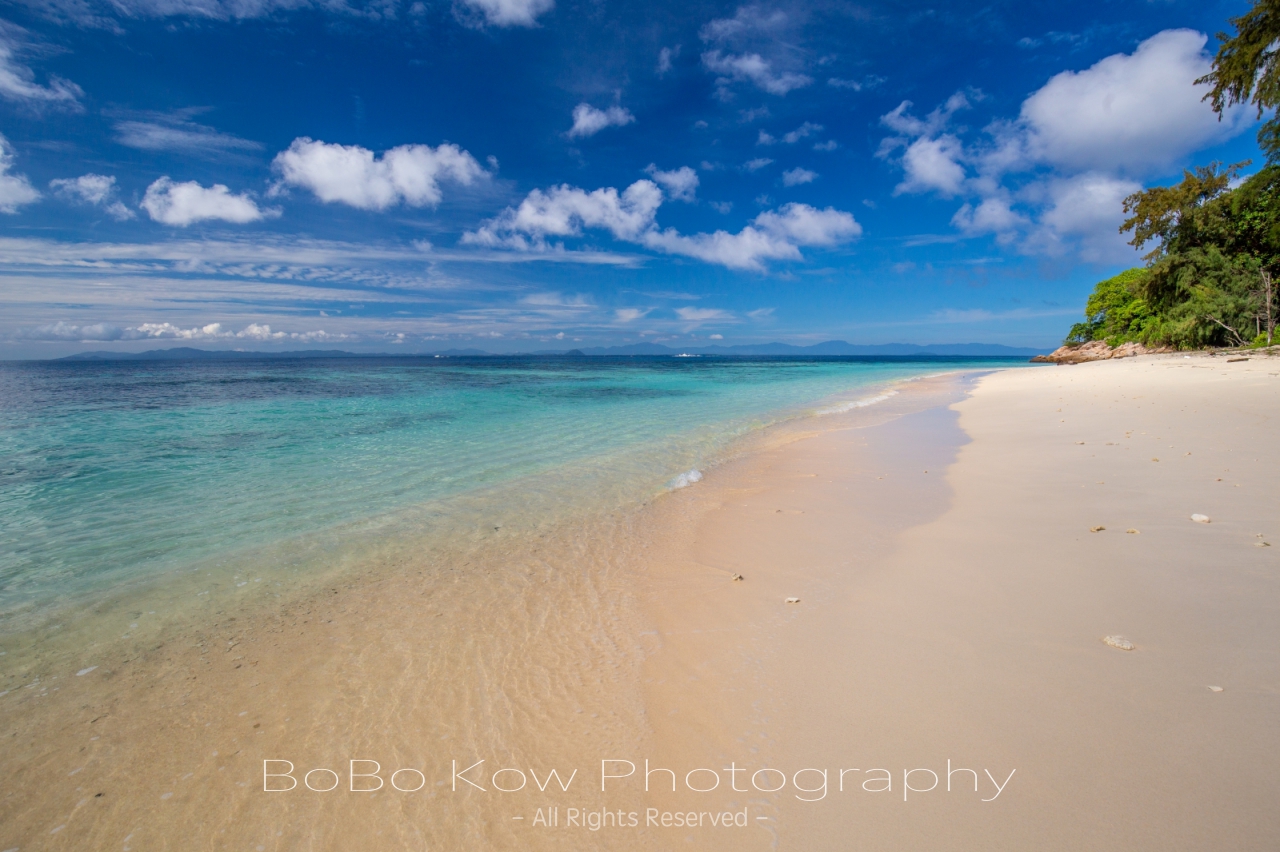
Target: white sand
<point x="979" y="635"/>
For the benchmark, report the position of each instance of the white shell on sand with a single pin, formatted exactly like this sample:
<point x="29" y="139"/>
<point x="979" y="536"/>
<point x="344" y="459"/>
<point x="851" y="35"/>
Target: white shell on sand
<point x="84" y="672"/>
<point x="1200" y="519"/>
<point x="737" y="577"/>
<point x="1097" y="529"/>
<point x="1215" y="689"/>
<point x="1132" y="531"/>
<point x="1118" y="642"/>
<point x="793" y="600"/>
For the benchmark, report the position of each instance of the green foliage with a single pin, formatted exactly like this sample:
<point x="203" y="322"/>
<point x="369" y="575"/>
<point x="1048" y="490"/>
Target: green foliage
<point x="1209" y="278"/>
<point x="1116" y="311"/>
<point x="1247" y="69"/>
<point x="1203" y="283"/>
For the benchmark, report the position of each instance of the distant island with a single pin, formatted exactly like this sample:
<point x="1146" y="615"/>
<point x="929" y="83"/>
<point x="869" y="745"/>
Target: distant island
<point x="827" y="348"/>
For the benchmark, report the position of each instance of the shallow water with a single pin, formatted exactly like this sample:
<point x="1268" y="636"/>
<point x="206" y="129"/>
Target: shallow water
<point x="114" y="472"/>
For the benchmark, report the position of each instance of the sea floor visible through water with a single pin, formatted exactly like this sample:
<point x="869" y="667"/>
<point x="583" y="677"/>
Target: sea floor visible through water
<point x="505" y="623"/>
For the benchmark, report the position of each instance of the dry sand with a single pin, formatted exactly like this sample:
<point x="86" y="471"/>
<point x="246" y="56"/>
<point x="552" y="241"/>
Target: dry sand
<point x="953" y="604"/>
<point x="977" y="635"/>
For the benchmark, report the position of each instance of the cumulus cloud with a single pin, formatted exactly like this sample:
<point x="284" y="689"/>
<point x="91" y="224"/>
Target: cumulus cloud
<point x="511" y="13"/>
<point x="1053" y="179"/>
<point x="563" y="211"/>
<point x="797" y="176"/>
<point x="95" y="190"/>
<point x="680" y="184"/>
<point x="805" y="130"/>
<point x="753" y="68"/>
<point x="102" y="332"/>
<point x="15" y="190"/>
<point x="630" y="216"/>
<point x="184" y="204"/>
<point x="992" y="215"/>
<point x="588" y="121"/>
<point x="18" y="81"/>
<point x="664" y="59"/>
<point x="1136" y="113"/>
<point x="932" y="165"/>
<point x="901" y="120"/>
<point x="1084" y="214"/>
<point x="773" y="235"/>
<point x="349" y="174"/>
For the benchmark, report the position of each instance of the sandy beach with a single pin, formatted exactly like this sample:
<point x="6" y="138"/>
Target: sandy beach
<point x="958" y="553"/>
<point x="958" y="570"/>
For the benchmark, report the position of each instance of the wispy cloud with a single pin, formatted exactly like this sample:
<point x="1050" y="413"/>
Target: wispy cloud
<point x="177" y="132"/>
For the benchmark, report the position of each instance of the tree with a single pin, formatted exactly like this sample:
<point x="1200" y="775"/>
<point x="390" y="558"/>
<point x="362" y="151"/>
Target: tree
<point x="1247" y="70"/>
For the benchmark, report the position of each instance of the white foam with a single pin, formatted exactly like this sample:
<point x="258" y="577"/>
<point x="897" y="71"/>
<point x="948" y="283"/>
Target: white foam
<point x="685" y="479"/>
<point x="857" y="403"/>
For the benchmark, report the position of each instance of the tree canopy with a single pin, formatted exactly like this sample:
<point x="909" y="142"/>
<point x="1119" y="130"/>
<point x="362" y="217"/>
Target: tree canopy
<point x="1207" y="281"/>
<point x="1247" y="69"/>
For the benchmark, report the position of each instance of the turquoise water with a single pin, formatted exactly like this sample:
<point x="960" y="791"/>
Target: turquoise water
<point x="112" y="471"/>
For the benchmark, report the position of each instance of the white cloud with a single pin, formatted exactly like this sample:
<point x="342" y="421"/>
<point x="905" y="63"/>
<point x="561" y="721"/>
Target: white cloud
<point x="564" y="211"/>
<point x="15" y="190"/>
<point x="701" y="315"/>
<point x="932" y="164"/>
<point x="681" y="184"/>
<point x="101" y="331"/>
<point x="630" y="314"/>
<point x="1136" y="113"/>
<point x="183" y="204"/>
<point x="829" y="145"/>
<point x="177" y="132"/>
<point x="992" y="215"/>
<point x="797" y="176"/>
<point x="809" y="226"/>
<point x="96" y="190"/>
<point x="754" y="68"/>
<point x="765" y="139"/>
<point x="100" y="13"/>
<point x="18" y="82"/>
<point x="772" y="236"/>
<point x="588" y="121"/>
<point x="805" y="130"/>
<point x="664" y="59"/>
<point x="512" y="13"/>
<point x="757" y="164"/>
<point x="352" y="175"/>
<point x="901" y="121"/>
<point x="1084" y="214"/>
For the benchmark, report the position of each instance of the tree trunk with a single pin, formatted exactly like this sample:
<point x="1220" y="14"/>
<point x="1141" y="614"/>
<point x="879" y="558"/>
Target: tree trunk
<point x="1268" y="306"/>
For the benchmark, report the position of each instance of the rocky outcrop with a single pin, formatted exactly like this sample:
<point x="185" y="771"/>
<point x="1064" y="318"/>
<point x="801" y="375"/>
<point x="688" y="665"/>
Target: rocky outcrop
<point x="1094" y="350"/>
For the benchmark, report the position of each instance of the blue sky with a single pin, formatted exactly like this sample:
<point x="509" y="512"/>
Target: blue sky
<point x="534" y="174"/>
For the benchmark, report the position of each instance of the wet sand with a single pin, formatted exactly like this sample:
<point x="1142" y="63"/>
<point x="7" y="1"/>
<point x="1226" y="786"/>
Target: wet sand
<point x="952" y="606"/>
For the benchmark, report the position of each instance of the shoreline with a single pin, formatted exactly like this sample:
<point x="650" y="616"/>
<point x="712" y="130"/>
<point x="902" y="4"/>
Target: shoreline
<point x="942" y="616"/>
<point x="412" y="632"/>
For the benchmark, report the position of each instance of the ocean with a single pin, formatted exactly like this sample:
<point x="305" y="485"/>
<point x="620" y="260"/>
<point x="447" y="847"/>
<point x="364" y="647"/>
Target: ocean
<point x="123" y="472"/>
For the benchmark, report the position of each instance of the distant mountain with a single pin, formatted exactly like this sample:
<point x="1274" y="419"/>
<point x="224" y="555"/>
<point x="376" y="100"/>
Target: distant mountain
<point x="830" y="347"/>
<point x="187" y="353"/>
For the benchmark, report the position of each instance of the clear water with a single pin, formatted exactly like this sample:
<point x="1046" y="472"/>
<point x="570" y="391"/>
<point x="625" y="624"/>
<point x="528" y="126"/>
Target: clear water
<point x="126" y="469"/>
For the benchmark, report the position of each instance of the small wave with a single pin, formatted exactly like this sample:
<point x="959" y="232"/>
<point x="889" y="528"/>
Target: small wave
<point x="857" y="403"/>
<point x="685" y="479"/>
